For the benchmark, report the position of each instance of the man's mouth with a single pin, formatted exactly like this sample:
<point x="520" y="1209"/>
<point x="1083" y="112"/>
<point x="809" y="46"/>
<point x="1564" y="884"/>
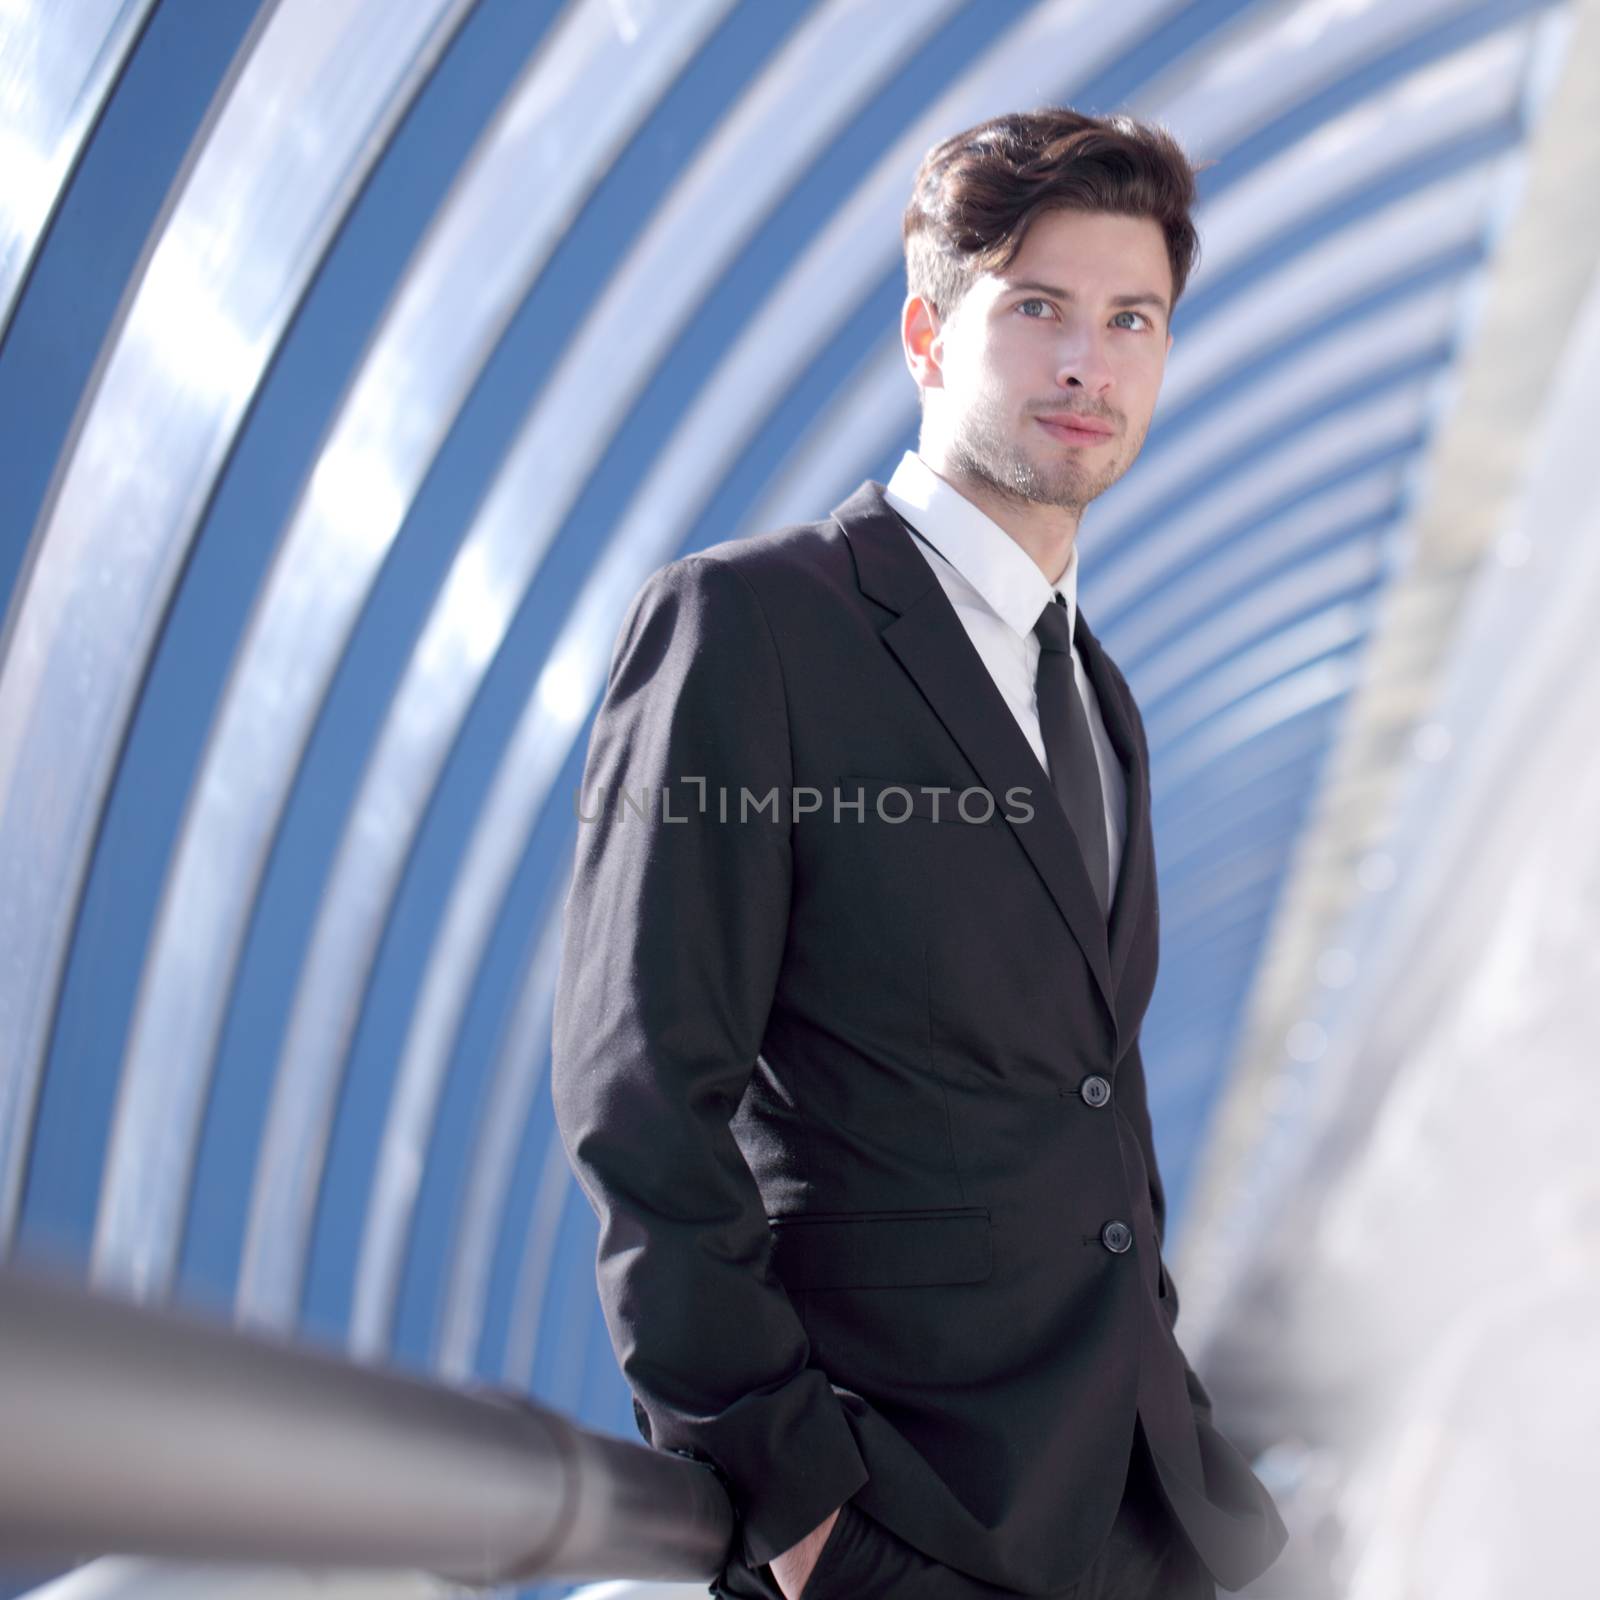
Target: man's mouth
<point x="1076" y="430"/>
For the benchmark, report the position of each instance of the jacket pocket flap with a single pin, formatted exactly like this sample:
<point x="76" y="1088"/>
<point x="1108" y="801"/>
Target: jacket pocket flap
<point x="882" y="1249"/>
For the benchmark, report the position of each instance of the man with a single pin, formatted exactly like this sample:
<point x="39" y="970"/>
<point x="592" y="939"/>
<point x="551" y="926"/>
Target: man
<point x="860" y="934"/>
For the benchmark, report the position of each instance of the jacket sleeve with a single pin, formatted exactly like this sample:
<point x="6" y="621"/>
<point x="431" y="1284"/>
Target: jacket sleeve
<point x="1130" y="1081"/>
<point x="673" y="936"/>
<point x="1139" y="1108"/>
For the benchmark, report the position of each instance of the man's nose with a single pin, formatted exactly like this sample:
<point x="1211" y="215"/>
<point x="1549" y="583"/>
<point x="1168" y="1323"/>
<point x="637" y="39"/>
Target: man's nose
<point x="1084" y="362"/>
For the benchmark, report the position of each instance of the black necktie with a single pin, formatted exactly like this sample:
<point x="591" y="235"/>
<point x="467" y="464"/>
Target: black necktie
<point x="1074" y="771"/>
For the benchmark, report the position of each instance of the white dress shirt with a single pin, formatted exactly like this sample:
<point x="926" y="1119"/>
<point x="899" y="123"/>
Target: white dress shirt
<point x="998" y="592"/>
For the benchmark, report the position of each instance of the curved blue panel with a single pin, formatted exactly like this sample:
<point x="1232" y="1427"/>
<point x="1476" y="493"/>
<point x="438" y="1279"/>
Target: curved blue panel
<point x="202" y="629"/>
<point x="1244" y="695"/>
<point x="93" y="242"/>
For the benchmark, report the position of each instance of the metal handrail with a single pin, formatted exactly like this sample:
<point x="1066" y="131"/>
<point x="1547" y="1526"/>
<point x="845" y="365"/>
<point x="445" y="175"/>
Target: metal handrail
<point x="144" y="1431"/>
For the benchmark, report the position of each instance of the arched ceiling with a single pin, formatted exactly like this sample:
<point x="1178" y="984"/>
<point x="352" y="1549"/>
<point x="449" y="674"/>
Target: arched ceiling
<point x="362" y="357"/>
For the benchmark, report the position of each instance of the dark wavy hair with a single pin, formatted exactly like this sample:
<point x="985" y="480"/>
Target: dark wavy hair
<point x="977" y="192"/>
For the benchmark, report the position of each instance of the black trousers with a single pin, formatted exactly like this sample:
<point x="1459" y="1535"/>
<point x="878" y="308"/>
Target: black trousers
<point x="1146" y="1556"/>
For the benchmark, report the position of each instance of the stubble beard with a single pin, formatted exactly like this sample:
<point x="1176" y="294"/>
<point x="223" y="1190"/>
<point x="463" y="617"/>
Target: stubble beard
<point x="982" y="449"/>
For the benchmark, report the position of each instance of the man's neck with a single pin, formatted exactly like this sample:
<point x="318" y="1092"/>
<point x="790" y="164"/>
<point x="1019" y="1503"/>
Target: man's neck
<point x="1045" y="533"/>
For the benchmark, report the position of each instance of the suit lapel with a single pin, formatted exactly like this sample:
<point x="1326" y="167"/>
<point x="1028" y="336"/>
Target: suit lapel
<point x="929" y="641"/>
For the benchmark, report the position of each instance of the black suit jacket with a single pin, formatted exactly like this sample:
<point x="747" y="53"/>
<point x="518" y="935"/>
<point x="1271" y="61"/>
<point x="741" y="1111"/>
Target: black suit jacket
<point x="823" y="1081"/>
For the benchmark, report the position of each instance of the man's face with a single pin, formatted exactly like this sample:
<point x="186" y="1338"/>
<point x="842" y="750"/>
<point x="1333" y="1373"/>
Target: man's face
<point x="1055" y="337"/>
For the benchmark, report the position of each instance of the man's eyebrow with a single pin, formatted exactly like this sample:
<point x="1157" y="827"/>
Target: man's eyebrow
<point x="1145" y="298"/>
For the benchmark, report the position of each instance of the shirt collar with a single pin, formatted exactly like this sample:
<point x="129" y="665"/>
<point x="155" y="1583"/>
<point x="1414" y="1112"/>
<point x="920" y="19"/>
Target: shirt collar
<point x="1003" y="573"/>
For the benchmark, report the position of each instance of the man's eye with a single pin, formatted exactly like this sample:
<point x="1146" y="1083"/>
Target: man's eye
<point x="1139" y="314"/>
<point x="1023" y="306"/>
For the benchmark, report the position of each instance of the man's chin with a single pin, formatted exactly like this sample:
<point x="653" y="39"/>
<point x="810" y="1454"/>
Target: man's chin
<point x="1073" y="490"/>
<point x="1034" y="482"/>
<point x="1065" y="492"/>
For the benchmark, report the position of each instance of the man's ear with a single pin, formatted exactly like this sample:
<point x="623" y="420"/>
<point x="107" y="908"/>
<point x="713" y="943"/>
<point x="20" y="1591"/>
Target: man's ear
<point x="1169" y="344"/>
<point x="921" y="338"/>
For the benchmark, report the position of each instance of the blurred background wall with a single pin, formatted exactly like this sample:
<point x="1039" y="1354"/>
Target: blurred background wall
<point x="360" y="358"/>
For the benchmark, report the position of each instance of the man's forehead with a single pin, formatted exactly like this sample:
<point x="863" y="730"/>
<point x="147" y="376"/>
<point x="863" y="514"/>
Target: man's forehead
<point x="1138" y="272"/>
<point x="1061" y="232"/>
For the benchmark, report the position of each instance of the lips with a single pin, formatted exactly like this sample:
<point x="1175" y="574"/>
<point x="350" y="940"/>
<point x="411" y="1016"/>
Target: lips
<point x="1075" y="430"/>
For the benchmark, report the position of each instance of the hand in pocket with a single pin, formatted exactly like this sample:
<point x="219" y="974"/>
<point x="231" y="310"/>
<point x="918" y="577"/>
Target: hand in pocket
<point x="792" y="1570"/>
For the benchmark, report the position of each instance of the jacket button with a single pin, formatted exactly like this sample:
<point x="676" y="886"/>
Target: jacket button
<point x="1095" y="1090"/>
<point x="1116" y="1237"/>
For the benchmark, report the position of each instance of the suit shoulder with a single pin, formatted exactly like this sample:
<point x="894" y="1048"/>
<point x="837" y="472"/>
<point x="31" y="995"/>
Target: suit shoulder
<point x="784" y="567"/>
<point x="737" y="590"/>
<point x="794" y="550"/>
